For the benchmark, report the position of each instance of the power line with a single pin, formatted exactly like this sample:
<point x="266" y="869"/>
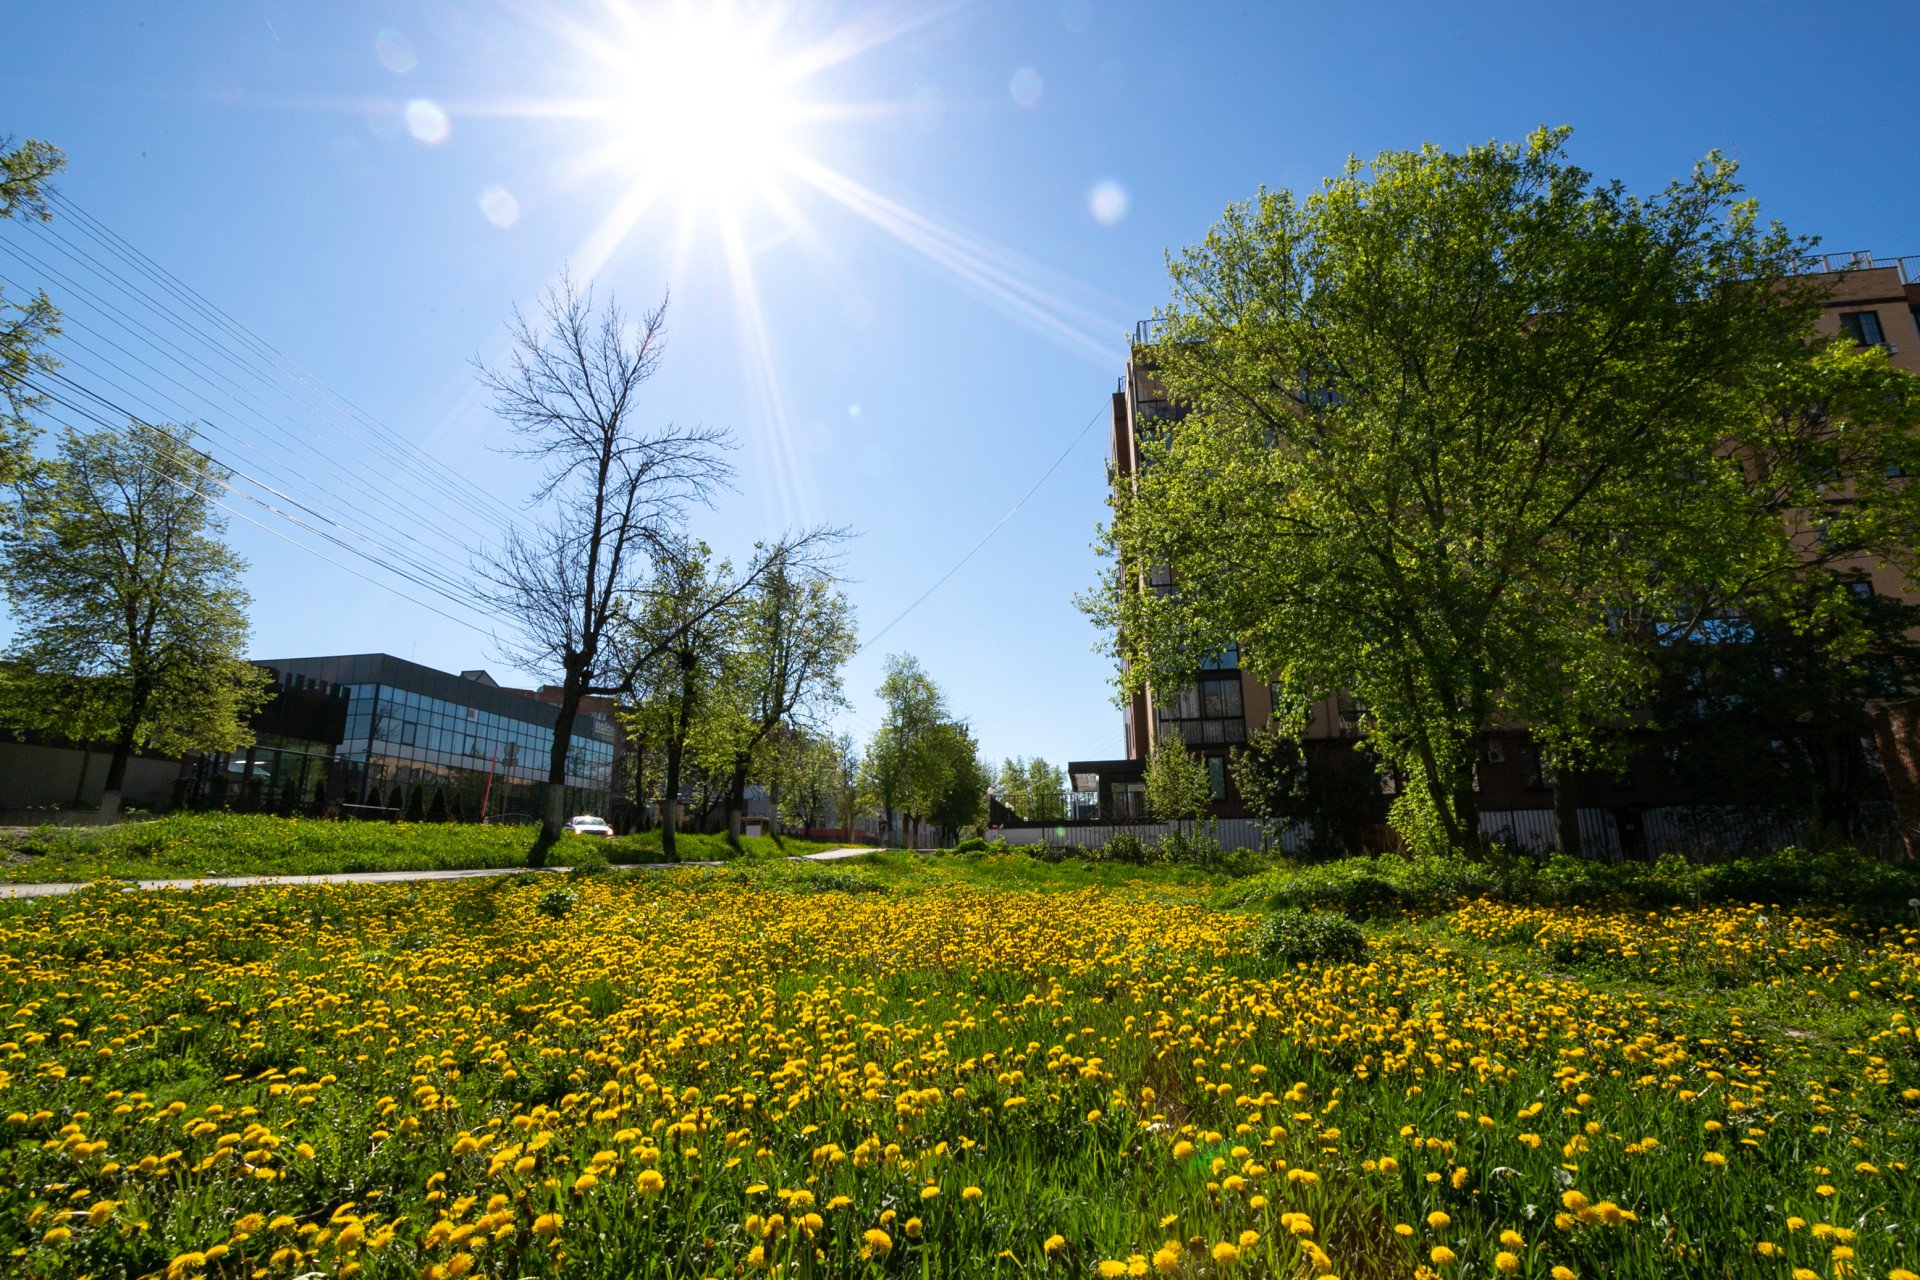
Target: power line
<point x="416" y="580"/>
<point x="214" y="381"/>
<point x="173" y="337"/>
<point x="353" y="467"/>
<point x="427" y="559"/>
<point x="232" y="511"/>
<point x="343" y="409"/>
<point x="986" y="537"/>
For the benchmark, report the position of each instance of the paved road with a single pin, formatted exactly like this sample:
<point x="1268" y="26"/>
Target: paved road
<point x="376" y="877"/>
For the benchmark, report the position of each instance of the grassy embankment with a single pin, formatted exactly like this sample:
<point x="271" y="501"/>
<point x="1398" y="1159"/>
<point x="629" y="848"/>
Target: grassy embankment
<point x="189" y="846"/>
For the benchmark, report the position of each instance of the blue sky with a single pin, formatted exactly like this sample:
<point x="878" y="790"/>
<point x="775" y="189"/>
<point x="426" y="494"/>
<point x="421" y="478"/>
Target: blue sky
<point x="921" y="303"/>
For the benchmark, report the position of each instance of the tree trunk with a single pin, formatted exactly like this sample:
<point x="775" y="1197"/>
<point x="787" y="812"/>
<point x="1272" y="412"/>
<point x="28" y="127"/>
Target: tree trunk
<point x="737" y="798"/>
<point x="554" y="813"/>
<point x="1896" y="733"/>
<point x="80" y="788"/>
<point x="123" y="748"/>
<point x="773" y="814"/>
<point x="1566" y="811"/>
<point x="670" y="800"/>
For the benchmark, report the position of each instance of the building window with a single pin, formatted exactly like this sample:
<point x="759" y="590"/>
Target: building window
<point x="1863" y="327"/>
<point x="1862" y="588"/>
<point x="1208" y="713"/>
<point x="1217" y="777"/>
<point x="1227" y="659"/>
<point x="1895" y="471"/>
<point x="1533" y="775"/>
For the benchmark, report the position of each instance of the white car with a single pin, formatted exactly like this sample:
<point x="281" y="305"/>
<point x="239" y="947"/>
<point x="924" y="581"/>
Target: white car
<point x="588" y="825"/>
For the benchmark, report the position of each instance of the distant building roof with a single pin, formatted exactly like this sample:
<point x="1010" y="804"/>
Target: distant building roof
<point x="479" y="676"/>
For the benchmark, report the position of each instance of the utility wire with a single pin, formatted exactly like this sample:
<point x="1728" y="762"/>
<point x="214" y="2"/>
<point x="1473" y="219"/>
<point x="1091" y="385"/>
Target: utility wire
<point x="426" y="559"/>
<point x="234" y="348"/>
<point x="433" y="471"/>
<point x="453" y="582"/>
<point x="82" y="410"/>
<point x="987" y="536"/>
<point x="232" y="511"/>
<point x="213" y="381"/>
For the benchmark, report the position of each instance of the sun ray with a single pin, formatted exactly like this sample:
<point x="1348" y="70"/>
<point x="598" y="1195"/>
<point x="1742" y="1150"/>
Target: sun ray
<point x="763" y="380"/>
<point x="612" y="231"/>
<point x="992" y="271"/>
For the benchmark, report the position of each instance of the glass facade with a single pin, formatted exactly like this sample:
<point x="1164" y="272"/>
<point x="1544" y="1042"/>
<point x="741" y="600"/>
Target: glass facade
<point x="375" y="730"/>
<point x="400" y="737"/>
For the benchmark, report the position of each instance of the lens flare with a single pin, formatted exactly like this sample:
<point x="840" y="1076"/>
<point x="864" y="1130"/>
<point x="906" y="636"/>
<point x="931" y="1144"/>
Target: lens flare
<point x="499" y="206"/>
<point x="394" y="51"/>
<point x="1107" y="202"/>
<point x="427" y="122"/>
<point x="1025" y="87"/>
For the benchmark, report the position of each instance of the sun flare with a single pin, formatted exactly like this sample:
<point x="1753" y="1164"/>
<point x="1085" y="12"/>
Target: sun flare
<point x="706" y="111"/>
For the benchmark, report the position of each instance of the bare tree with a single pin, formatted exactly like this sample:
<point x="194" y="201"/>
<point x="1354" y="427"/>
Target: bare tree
<point x="614" y="495"/>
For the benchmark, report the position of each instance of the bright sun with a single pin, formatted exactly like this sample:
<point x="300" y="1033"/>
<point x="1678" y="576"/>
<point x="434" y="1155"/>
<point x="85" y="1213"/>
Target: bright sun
<point x="706" y="112"/>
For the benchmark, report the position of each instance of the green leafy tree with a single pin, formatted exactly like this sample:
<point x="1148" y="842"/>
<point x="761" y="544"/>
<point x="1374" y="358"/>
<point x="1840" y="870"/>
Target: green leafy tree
<point x="913" y="767"/>
<point x="1032" y="788"/>
<point x="792" y="632"/>
<point x="805" y="768"/>
<point x="1449" y="422"/>
<point x="959" y="796"/>
<point x="682" y="626"/>
<point x="1334" y="794"/>
<point x="25" y="327"/>
<point x="1178" y="788"/>
<point x="129" y="611"/>
<point x="1270" y="773"/>
<point x="847" y="794"/>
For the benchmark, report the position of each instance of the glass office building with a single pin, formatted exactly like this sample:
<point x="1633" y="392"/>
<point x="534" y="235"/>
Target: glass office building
<point x="372" y="729"/>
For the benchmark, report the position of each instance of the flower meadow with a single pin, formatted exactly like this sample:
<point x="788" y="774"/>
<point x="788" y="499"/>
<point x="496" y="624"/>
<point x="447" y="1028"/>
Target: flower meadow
<point x="693" y="1074"/>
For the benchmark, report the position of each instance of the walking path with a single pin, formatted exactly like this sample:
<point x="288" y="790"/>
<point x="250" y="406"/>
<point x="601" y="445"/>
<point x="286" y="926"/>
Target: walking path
<point x="373" y="877"/>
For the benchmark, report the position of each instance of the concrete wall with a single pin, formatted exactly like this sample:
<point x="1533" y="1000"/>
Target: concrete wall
<point x="33" y="776"/>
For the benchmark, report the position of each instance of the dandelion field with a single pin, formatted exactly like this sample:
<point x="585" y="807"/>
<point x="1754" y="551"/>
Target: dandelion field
<point x="864" y="1072"/>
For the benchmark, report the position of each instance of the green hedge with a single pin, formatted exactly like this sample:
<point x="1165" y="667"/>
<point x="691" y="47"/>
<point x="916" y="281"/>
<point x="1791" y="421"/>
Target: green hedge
<point x="1367" y="887"/>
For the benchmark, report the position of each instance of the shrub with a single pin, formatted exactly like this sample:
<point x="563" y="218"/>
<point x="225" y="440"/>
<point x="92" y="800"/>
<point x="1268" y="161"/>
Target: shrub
<point x="1125" y="846"/>
<point x="972" y="844"/>
<point x="590" y="862"/>
<point x="837" y="882"/>
<point x="558" y="902"/>
<point x="1307" y="937"/>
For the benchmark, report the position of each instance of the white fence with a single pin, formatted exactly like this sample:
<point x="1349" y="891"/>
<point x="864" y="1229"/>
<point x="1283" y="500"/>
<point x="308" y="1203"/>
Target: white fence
<point x="1232" y="833"/>
<point x="1692" y="830"/>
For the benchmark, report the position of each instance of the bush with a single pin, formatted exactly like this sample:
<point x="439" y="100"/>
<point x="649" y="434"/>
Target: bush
<point x="1308" y="937"/>
<point x="592" y="862"/>
<point x="972" y="844"/>
<point x="1125" y="846"/>
<point x="558" y="903"/>
<point x="1361" y="888"/>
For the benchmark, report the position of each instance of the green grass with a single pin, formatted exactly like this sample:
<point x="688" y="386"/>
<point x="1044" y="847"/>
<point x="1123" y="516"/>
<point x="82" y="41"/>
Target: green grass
<point x="192" y="846"/>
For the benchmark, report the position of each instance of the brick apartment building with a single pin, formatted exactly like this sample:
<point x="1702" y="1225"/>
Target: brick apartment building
<point x="1876" y="301"/>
